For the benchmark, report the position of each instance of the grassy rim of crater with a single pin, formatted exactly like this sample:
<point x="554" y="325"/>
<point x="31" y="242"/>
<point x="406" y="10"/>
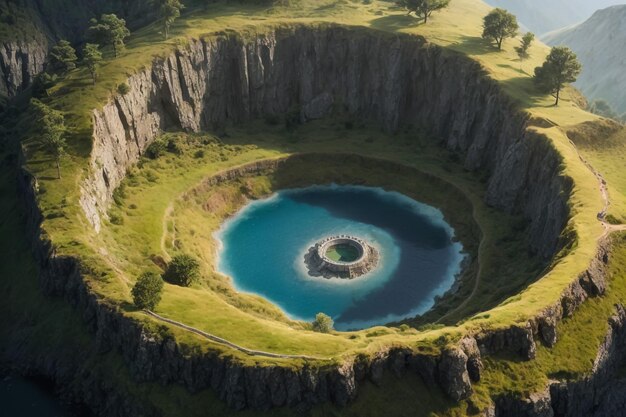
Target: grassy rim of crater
<point x="59" y="204"/>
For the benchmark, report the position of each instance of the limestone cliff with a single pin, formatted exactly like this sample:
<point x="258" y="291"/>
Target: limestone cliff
<point x="20" y="62"/>
<point x="393" y="80"/>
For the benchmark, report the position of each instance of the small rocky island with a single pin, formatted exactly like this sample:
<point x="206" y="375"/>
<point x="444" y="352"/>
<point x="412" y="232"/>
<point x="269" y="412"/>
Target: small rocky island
<point x="341" y="256"/>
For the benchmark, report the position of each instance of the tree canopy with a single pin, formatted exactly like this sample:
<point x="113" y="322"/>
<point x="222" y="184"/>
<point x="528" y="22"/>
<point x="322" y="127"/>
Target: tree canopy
<point x="91" y="59"/>
<point x="323" y="323"/>
<point x="423" y="8"/>
<point x="109" y="30"/>
<point x="147" y="291"/>
<point x="183" y="270"/>
<point x="63" y="57"/>
<point x="49" y="126"/>
<point x="526" y="42"/>
<point x="499" y="25"/>
<point x="560" y="68"/>
<point x="169" y="11"/>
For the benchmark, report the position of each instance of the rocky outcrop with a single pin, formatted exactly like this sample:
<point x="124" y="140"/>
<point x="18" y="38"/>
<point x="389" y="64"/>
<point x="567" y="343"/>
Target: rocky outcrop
<point x="597" y="395"/>
<point x="20" y="62"/>
<point x="395" y="80"/>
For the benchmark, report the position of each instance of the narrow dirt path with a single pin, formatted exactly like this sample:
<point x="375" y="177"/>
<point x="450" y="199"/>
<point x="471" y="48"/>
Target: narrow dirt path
<point x="225" y="342"/>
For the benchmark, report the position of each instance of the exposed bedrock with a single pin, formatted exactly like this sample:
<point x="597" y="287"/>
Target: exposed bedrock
<point x="395" y="80"/>
<point x="600" y="394"/>
<point x="20" y="62"/>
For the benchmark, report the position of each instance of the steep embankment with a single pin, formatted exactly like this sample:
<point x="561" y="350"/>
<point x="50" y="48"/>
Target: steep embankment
<point x="599" y="43"/>
<point x="30" y="27"/>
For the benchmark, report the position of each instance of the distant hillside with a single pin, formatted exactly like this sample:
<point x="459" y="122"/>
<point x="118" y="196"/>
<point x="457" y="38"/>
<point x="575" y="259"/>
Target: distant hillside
<point x="600" y="43"/>
<point x="542" y="16"/>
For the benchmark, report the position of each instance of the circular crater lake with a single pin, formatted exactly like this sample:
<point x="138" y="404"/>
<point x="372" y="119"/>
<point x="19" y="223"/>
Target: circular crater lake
<point x="264" y="245"/>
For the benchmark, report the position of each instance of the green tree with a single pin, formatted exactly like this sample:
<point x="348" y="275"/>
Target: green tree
<point x="499" y="25"/>
<point x="147" y="291"/>
<point x="169" y="11"/>
<point x="183" y="270"/>
<point x="423" y="8"/>
<point x="323" y="323"/>
<point x="109" y="30"/>
<point x="522" y="50"/>
<point x="63" y="57"/>
<point x="50" y="129"/>
<point x="560" y="68"/>
<point x="91" y="59"/>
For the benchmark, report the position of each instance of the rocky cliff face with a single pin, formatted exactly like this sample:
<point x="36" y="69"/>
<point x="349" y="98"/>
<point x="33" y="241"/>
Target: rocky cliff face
<point x="600" y="394"/>
<point x="20" y="62"/>
<point x="393" y="80"/>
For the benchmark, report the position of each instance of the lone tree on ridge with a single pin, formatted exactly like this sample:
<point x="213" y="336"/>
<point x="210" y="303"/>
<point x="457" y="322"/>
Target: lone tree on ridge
<point x="499" y="25"/>
<point x="169" y="11"/>
<point x="323" y="323"/>
<point x="91" y="59"/>
<point x="50" y="130"/>
<point x="63" y="57"/>
<point x="423" y="8"/>
<point x="147" y="291"/>
<point x="109" y="30"/>
<point x="560" y="68"/>
<point x="522" y="49"/>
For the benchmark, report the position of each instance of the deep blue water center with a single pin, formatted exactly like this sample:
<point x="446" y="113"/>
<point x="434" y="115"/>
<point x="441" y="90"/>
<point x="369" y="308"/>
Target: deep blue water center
<point x="264" y="244"/>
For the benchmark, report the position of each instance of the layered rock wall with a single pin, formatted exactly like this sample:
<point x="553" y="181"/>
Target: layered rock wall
<point x="395" y="80"/>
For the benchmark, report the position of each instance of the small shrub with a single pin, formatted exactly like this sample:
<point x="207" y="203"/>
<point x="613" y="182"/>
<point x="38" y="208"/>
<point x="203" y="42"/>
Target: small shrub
<point x="156" y="149"/>
<point x="147" y="291"/>
<point x="199" y="154"/>
<point x="183" y="270"/>
<point x="123" y="89"/>
<point x="323" y="323"/>
<point x="152" y="176"/>
<point x="173" y="146"/>
<point x="116" y="219"/>
<point x="119" y="194"/>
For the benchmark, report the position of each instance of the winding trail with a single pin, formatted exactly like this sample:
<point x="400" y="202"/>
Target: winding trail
<point x="225" y="342"/>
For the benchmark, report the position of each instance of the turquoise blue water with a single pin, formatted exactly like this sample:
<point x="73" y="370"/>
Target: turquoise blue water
<point x="263" y="248"/>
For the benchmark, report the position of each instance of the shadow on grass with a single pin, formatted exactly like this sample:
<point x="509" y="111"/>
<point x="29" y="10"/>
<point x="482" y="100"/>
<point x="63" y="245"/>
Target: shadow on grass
<point x="524" y="90"/>
<point x="394" y="23"/>
<point x="475" y="46"/>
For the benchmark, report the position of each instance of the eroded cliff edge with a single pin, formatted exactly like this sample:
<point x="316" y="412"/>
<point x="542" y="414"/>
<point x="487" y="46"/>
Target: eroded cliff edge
<point x="394" y="80"/>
